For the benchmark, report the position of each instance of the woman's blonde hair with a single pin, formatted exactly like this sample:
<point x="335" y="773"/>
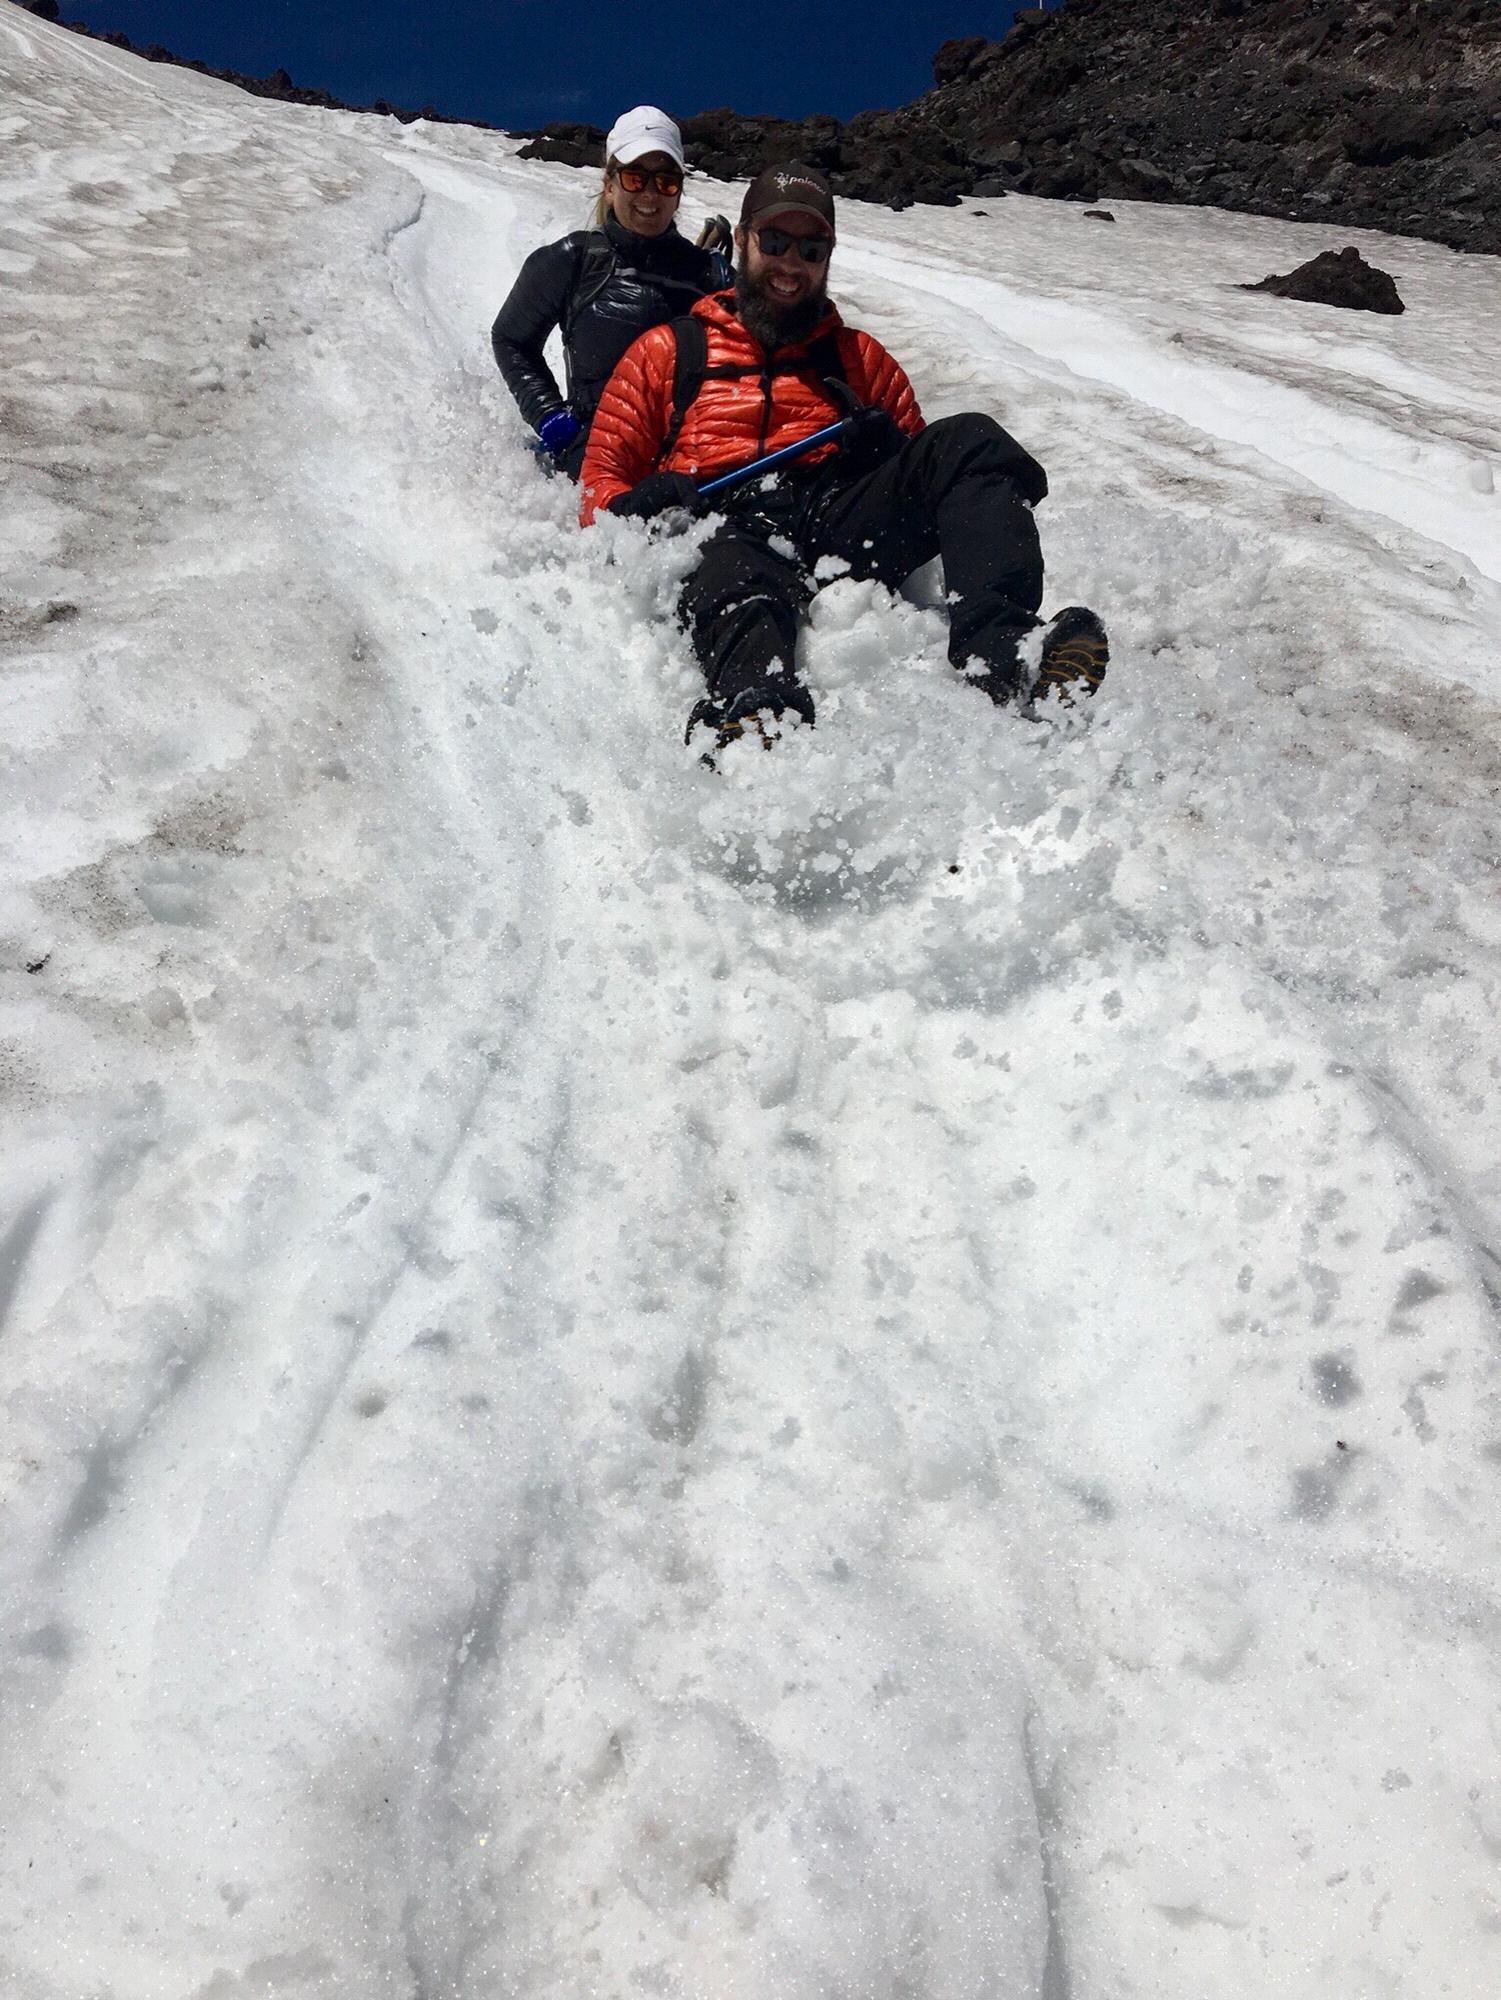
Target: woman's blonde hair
<point x="602" y="200"/>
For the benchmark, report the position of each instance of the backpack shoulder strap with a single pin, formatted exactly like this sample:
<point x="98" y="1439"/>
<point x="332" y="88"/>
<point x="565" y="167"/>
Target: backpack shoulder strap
<point x="596" y="267"/>
<point x="689" y="363"/>
<point x="828" y="365"/>
<point x="826" y="358"/>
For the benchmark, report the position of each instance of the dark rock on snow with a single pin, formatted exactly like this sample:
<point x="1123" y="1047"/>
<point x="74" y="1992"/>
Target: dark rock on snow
<point x="874" y="156"/>
<point x="574" y="145"/>
<point x="1337" y="278"/>
<point x="871" y="158"/>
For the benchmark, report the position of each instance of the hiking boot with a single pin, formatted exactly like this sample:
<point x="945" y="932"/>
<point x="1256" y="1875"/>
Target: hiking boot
<point x="1075" y="652"/>
<point x="754" y="712"/>
<point x="1002" y="683"/>
<point x="986" y="633"/>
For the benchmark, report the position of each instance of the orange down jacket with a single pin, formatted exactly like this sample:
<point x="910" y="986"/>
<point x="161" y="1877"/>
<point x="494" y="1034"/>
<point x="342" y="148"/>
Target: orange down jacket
<point x="729" y="421"/>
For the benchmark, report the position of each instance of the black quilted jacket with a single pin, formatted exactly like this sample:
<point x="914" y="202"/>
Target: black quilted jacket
<point x="602" y="287"/>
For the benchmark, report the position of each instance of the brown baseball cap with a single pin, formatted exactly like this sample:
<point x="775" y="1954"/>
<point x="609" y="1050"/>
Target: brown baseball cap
<point x="791" y="189"/>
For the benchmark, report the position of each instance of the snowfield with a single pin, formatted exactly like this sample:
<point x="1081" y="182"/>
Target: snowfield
<point x="871" y="1379"/>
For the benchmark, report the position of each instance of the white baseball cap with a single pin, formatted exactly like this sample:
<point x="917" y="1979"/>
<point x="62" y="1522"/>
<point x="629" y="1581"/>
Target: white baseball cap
<point x="644" y="130"/>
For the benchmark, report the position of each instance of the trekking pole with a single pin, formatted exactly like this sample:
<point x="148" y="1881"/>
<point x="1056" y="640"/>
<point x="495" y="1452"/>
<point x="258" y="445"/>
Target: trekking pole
<point x="753" y="469"/>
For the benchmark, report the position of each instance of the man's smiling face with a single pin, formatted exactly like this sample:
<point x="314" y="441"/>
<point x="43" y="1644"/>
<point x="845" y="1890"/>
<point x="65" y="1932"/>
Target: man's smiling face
<point x="780" y="291"/>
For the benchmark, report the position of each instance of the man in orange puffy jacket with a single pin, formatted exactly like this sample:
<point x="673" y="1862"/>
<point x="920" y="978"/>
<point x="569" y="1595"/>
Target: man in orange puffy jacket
<point x="773" y="363"/>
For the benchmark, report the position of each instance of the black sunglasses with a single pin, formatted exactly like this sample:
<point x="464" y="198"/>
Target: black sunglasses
<point x="777" y="242"/>
<point x="634" y="179"/>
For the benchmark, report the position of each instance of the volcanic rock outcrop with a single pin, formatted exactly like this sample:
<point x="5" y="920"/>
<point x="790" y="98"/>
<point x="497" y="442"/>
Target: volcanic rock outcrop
<point x="874" y="156"/>
<point x="1384" y="114"/>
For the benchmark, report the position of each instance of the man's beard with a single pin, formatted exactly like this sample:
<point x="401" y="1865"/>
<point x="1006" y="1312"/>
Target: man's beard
<point x="766" y="319"/>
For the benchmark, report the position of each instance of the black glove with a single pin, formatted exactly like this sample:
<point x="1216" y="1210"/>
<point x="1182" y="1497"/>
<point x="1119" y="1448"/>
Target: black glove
<point x="655" y="494"/>
<point x="874" y="436"/>
<point x="778" y="694"/>
<point x="731" y="716"/>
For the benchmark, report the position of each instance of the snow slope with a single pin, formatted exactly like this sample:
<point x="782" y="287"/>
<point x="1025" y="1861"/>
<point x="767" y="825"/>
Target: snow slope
<point x="875" y="1377"/>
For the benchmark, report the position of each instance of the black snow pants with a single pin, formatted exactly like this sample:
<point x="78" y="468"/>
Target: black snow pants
<point x="962" y="489"/>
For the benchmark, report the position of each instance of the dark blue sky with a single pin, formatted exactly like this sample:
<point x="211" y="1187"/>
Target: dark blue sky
<point x="522" y="62"/>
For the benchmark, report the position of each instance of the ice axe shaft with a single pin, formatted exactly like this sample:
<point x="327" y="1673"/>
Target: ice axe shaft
<point x="723" y="481"/>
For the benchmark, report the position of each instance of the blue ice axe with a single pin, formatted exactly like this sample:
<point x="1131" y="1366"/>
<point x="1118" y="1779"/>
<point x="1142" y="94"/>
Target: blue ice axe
<point x="723" y="481"/>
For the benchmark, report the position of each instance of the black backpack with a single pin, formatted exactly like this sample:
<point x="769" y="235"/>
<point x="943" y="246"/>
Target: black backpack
<point x="690" y="371"/>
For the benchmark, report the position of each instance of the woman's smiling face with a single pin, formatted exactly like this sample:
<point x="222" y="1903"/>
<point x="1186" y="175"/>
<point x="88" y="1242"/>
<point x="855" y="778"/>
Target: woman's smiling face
<point x="646" y="210"/>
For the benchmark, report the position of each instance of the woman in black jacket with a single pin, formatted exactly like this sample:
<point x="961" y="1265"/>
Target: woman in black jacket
<point x="603" y="286"/>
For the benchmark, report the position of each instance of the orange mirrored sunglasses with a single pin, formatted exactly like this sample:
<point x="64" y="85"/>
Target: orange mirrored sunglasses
<point x="669" y="180"/>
